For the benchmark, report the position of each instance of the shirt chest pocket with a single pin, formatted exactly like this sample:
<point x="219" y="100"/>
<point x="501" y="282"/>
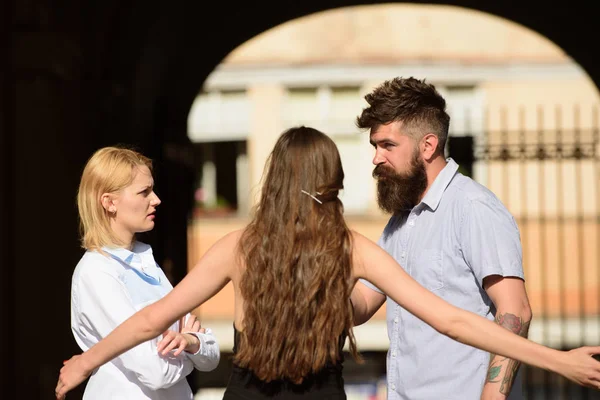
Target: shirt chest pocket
<point x="427" y="269"/>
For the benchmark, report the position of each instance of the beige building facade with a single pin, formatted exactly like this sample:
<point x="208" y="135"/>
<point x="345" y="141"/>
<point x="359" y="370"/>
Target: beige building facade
<point x="505" y="85"/>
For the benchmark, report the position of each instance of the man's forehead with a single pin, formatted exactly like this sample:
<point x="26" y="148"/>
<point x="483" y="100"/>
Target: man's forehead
<point x="392" y="129"/>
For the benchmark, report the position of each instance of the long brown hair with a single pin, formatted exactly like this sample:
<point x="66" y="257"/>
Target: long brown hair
<point x="297" y="253"/>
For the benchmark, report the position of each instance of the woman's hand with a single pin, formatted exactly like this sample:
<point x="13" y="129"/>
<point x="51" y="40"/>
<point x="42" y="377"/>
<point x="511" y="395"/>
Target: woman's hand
<point x="581" y="367"/>
<point x="178" y="342"/>
<point x="71" y="375"/>
<point x="193" y="325"/>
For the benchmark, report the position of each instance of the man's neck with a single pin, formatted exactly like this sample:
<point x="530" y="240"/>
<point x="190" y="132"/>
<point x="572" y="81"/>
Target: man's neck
<point x="433" y="169"/>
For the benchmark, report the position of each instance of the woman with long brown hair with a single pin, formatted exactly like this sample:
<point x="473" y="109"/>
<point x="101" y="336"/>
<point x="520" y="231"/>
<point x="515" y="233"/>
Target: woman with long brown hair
<point x="297" y="269"/>
<point x="293" y="269"/>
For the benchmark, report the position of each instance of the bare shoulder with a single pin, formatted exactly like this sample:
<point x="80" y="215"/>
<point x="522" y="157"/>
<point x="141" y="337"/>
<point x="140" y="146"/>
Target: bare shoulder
<point x="225" y="249"/>
<point x="231" y="247"/>
<point x="229" y="240"/>
<point x="221" y="259"/>
<point x="233" y="237"/>
<point x="361" y="243"/>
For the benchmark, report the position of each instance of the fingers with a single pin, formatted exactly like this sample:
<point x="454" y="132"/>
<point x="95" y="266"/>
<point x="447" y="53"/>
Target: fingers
<point x="60" y="390"/>
<point x="70" y="359"/>
<point x="594" y="377"/>
<point x="180" y="348"/>
<point x="57" y="389"/>
<point x="592" y="350"/>
<point x="173" y="344"/>
<point x="196" y="327"/>
<point x="193" y="324"/>
<point x="162" y="342"/>
<point x="592" y="385"/>
<point x="189" y="324"/>
<point x="170" y="341"/>
<point x="167" y="337"/>
<point x="175" y="341"/>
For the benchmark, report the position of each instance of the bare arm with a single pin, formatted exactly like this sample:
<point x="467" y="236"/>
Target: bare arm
<point x="366" y="302"/>
<point x="378" y="267"/>
<point x="207" y="278"/>
<point x="513" y="313"/>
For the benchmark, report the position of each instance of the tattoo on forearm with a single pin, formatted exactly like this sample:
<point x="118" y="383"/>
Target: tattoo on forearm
<point x="499" y="364"/>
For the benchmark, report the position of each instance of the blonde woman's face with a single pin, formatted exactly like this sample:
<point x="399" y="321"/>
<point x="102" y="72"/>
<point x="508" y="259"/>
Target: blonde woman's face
<point x="135" y="205"/>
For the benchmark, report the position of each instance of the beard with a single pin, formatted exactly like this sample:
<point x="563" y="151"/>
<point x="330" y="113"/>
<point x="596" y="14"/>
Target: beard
<point x="400" y="192"/>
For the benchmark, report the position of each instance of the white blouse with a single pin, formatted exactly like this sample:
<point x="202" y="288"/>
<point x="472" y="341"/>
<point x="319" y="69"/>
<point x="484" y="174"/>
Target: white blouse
<point x="105" y="291"/>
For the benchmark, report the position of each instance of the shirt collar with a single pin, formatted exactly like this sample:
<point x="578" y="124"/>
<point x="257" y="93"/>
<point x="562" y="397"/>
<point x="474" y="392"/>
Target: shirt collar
<point x="441" y="182"/>
<point x="140" y="258"/>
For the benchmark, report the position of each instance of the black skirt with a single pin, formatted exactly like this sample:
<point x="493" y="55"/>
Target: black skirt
<point x="327" y="384"/>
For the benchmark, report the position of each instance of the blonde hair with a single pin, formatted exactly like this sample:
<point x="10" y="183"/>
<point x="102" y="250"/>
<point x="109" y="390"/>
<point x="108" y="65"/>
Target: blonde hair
<point x="109" y="170"/>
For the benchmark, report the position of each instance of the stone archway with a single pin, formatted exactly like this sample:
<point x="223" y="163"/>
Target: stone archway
<point x="93" y="74"/>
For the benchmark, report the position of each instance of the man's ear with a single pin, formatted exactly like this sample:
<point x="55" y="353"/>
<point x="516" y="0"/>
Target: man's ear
<point x="429" y="145"/>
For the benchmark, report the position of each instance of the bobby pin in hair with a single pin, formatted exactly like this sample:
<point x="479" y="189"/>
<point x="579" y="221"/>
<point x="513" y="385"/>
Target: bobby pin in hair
<point x="313" y="197"/>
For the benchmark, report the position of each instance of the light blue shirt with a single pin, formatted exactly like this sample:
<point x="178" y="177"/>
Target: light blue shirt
<point x="456" y="236"/>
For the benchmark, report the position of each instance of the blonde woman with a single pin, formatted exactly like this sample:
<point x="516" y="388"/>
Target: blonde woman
<point x="293" y="269"/>
<point x="118" y="276"/>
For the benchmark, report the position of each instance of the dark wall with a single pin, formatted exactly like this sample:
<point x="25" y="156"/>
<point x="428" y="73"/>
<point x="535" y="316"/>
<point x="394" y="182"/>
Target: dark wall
<point x="79" y="75"/>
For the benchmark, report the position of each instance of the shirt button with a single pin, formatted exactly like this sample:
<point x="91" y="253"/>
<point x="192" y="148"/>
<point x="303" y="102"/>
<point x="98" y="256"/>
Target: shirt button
<point x="394" y="353"/>
<point x="396" y="320"/>
<point x="403" y="254"/>
<point x="411" y="222"/>
<point x="393" y="386"/>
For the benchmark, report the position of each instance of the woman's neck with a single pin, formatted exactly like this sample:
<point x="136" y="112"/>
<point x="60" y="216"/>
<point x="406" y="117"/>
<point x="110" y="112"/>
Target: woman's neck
<point x="125" y="237"/>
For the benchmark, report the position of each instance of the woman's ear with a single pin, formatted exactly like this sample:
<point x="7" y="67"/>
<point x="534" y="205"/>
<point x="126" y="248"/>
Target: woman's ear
<point x="107" y="202"/>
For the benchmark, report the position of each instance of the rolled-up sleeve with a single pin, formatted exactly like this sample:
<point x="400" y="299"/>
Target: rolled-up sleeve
<point x="490" y="239"/>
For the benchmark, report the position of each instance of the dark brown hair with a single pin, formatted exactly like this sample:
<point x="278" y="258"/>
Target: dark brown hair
<point x="417" y="104"/>
<point x="297" y="254"/>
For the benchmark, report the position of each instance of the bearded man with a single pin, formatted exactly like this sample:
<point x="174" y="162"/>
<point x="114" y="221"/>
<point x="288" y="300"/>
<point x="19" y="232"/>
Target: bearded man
<point x="452" y="235"/>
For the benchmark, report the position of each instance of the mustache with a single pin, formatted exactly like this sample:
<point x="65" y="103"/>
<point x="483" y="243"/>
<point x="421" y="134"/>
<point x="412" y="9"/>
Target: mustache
<point x="382" y="171"/>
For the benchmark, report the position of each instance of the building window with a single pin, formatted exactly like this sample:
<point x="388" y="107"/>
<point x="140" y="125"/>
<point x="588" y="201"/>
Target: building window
<point x="222" y="187"/>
